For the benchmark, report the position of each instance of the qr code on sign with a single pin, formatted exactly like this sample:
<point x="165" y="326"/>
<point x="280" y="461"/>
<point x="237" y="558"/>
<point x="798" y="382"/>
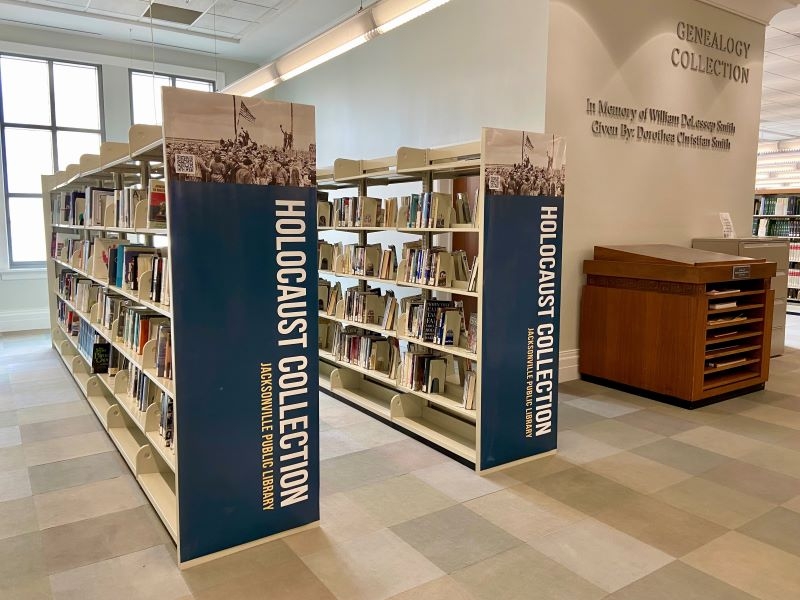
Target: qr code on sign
<point x="184" y="164"/>
<point x="494" y="182"/>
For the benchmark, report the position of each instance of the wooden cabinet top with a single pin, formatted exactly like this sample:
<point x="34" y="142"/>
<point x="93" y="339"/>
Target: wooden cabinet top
<point x="675" y="263"/>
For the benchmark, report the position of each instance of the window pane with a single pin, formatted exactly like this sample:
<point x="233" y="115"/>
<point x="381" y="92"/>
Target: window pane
<point x="72" y="144"/>
<point x="29" y="155"/>
<point x="146" y="96"/>
<point x="77" y="97"/>
<point x="192" y="84"/>
<point x="27" y="229"/>
<point x="26" y="90"/>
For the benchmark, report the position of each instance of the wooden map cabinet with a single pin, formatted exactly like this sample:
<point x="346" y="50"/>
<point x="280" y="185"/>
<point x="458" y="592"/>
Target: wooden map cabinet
<point x="685" y="326"/>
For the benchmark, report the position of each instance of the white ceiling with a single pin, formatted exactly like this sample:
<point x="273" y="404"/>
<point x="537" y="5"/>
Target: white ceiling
<point x="255" y="31"/>
<point x="780" y="102"/>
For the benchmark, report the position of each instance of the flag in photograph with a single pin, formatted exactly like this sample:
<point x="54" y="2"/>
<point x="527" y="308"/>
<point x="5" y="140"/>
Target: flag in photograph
<point x="245" y="113"/>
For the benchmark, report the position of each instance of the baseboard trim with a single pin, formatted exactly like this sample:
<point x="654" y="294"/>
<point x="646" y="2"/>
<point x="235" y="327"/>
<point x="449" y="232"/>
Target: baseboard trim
<point x="568" y="365"/>
<point x="24" y="320"/>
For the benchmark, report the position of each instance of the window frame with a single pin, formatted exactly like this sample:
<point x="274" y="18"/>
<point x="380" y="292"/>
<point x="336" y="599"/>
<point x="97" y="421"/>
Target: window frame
<point x="53" y="128"/>
<point x="169" y="76"/>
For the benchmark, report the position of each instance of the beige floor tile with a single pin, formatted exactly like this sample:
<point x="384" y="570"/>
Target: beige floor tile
<point x="775" y="458"/>
<point x="341" y="520"/>
<point x="636" y="472"/>
<point x="46" y="430"/>
<point x="579" y="449"/>
<point x="8" y="418"/>
<point x="444" y="588"/>
<point x="64" y="448"/>
<point x="290" y="580"/>
<point x="721" y="442"/>
<point x="36" y="588"/>
<point x="684" y="457"/>
<point x="754" y="428"/>
<point x="775" y="414"/>
<point x="679" y="581"/>
<point x="455" y="537"/>
<point x="789" y="402"/>
<point x="753" y="480"/>
<point x="223" y="573"/>
<point x="603" y="405"/>
<point x="93" y="540"/>
<point x="14" y="484"/>
<point x="373" y="567"/>
<point x="717" y="503"/>
<point x="525" y="512"/>
<point x="76" y="471"/>
<point x="583" y="490"/>
<point x="757" y="568"/>
<point x="523" y="572"/>
<point x="656" y="422"/>
<point x="10" y="436"/>
<point x="157" y="578"/>
<point x="12" y="458"/>
<point x="408" y="455"/>
<point x="538" y="468"/>
<point x="51" y="412"/>
<point x="335" y="442"/>
<point x="351" y="471"/>
<point x="17" y="517"/>
<point x="21" y="561"/>
<point x="399" y="499"/>
<point x="373" y="433"/>
<point x="601" y="554"/>
<point x="779" y="527"/>
<point x="570" y="417"/>
<point x="462" y="483"/>
<point x="87" y="501"/>
<point x="665" y="527"/>
<point x="618" y="434"/>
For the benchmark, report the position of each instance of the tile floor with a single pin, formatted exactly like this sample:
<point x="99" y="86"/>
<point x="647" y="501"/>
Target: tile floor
<point x="643" y="502"/>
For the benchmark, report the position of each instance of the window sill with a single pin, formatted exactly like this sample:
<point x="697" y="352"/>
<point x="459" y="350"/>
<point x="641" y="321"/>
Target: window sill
<point x="23" y="274"/>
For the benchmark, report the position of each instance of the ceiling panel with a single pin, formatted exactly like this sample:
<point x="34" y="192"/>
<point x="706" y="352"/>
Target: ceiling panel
<point x="781" y="41"/>
<point x="209" y="22"/>
<point x="240" y="10"/>
<point x="124" y="7"/>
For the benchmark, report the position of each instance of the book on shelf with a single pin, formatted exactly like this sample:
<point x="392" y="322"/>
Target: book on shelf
<point x="61" y="244"/>
<point x="166" y="422"/>
<point x="94" y="347"/>
<point x="96" y="199"/>
<point x="423" y="370"/>
<point x="468" y="398"/>
<point x="722" y="305"/>
<point x="473" y="276"/>
<point x="733" y="319"/>
<point x="334" y="297"/>
<point x="716" y="364"/>
<point x="101" y="256"/>
<point x="364" y="306"/>
<point x="388" y="268"/>
<point x="366" y="350"/>
<point x="156" y="204"/>
<point x="324" y="211"/>
<point x="472" y="333"/>
<point x="163" y="339"/>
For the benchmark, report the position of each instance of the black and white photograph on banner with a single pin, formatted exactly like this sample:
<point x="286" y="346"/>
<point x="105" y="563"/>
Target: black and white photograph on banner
<point x="219" y="138"/>
<point x="521" y="163"/>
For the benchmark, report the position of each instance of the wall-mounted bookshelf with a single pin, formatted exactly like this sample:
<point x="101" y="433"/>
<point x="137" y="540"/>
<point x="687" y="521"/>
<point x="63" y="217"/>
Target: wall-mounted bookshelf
<point x="121" y="233"/>
<point x="375" y="352"/>
<point x="776" y="214"/>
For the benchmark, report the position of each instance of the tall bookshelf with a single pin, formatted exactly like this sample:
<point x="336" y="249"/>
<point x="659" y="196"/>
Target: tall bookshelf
<point x="776" y="214"/>
<point x="474" y="436"/>
<point x="207" y="486"/>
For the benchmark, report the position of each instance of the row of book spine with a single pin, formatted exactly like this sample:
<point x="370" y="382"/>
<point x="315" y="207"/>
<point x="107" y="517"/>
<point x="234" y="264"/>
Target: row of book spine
<point x="794" y="252"/>
<point x="430" y="210"/>
<point x="107" y="207"/>
<point x="777" y="205"/>
<point x="436" y="321"/>
<point x="364" y="349"/>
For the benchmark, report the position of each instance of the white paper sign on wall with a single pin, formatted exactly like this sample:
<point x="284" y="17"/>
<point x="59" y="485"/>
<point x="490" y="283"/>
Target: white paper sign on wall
<point x="728" y="231"/>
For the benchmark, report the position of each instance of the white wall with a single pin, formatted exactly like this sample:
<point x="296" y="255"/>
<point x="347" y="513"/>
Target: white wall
<point x="435" y="81"/>
<point x="627" y="192"/>
<point x="23" y="294"/>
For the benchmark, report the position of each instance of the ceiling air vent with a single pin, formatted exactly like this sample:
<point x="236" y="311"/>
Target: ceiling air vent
<point x="171" y="14"/>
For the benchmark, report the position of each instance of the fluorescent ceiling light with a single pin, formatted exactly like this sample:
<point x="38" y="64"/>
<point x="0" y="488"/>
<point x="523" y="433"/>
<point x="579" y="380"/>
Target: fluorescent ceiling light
<point x="315" y="62"/>
<point x="391" y="14"/>
<point x="372" y="21"/>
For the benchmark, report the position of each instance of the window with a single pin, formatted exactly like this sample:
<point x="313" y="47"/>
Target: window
<point x="50" y="114"/>
<point x="146" y="94"/>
